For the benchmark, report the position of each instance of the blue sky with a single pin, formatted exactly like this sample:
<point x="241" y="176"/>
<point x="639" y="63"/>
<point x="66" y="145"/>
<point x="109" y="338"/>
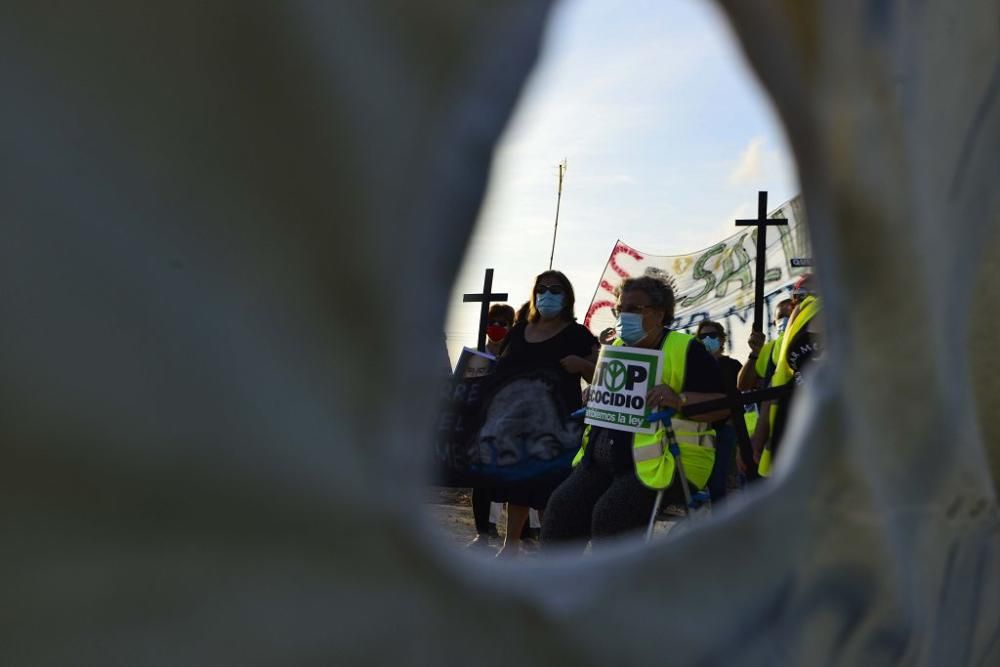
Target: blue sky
<point x="667" y="134"/>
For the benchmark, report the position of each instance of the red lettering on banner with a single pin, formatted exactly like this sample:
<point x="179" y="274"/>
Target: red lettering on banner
<point x="606" y="286"/>
<point x="621" y="248"/>
<point x="594" y="307"/>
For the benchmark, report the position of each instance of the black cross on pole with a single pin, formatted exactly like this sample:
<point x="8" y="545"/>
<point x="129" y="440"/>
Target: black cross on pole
<point x="761" y="223"/>
<point x="486" y="298"/>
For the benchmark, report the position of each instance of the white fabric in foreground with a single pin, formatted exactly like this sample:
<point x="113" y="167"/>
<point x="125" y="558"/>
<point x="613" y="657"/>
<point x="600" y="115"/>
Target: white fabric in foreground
<point x="210" y="414"/>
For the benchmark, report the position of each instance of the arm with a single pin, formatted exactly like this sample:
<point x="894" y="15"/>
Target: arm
<point x="748" y="377"/>
<point x="583" y="366"/>
<point x="662" y="396"/>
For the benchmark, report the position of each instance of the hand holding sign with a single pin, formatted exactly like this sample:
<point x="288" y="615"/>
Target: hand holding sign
<point x="608" y="336"/>
<point x="618" y="397"/>
<point x="662" y="396"/>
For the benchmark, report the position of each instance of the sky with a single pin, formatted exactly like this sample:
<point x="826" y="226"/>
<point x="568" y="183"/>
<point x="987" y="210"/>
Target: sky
<point x="667" y="135"/>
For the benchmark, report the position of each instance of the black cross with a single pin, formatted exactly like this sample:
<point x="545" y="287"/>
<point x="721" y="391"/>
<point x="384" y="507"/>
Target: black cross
<point x="761" y="223"/>
<point x="486" y="298"/>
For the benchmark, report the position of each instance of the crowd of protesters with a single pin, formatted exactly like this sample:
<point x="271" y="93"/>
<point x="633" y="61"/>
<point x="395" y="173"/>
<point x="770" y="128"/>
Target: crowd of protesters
<point x="618" y="479"/>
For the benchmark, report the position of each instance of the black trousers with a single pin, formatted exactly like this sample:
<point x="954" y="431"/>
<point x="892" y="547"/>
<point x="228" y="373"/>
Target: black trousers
<point x="602" y="498"/>
<point x="481" y="499"/>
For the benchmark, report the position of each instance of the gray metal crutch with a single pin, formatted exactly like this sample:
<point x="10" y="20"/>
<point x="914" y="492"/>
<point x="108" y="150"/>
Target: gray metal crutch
<point x="664" y="417"/>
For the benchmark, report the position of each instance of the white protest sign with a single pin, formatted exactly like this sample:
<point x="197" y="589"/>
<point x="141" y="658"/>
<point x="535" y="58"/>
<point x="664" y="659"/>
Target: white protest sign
<point x="617" y="397"/>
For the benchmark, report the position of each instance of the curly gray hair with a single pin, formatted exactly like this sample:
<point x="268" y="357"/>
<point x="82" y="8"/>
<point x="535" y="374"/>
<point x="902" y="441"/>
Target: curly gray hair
<point x="659" y="287"/>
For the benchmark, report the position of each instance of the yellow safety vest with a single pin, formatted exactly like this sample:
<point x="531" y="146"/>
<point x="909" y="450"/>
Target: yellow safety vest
<point x="654" y="465"/>
<point x="783" y="373"/>
<point x="768" y="355"/>
<point x="764" y="357"/>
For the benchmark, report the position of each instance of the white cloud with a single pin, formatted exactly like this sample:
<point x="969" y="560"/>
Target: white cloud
<point x="750" y="166"/>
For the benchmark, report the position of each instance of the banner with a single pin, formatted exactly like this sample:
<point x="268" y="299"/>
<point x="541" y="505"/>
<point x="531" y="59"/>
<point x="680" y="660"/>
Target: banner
<point x="716" y="283"/>
<point x="617" y="397"/>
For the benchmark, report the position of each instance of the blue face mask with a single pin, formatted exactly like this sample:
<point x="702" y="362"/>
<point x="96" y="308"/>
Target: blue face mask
<point x="629" y="328"/>
<point x="782" y="324"/>
<point x="549" y="304"/>
<point x="712" y="344"/>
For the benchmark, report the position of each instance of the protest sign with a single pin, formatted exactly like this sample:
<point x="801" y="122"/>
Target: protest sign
<point x="622" y="378"/>
<point x="473" y="364"/>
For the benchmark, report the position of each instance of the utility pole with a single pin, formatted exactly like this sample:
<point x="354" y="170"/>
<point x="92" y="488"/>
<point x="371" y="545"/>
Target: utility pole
<point x="562" y="172"/>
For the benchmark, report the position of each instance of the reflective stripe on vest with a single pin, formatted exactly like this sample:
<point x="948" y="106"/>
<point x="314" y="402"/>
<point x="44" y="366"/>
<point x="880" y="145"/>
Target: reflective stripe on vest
<point x="764" y="465"/>
<point x="751" y="420"/>
<point x="783" y="373"/>
<point x="654" y="465"/>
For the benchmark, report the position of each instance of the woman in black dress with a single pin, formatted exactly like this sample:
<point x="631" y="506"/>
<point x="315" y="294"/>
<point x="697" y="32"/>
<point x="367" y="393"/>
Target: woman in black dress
<point x="550" y="345"/>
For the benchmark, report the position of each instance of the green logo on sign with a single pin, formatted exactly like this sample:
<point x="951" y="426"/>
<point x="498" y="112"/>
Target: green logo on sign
<point x="615" y="376"/>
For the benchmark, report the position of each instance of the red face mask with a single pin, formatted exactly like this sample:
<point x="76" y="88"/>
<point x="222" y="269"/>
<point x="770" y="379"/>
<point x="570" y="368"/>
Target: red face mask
<point x="496" y="332"/>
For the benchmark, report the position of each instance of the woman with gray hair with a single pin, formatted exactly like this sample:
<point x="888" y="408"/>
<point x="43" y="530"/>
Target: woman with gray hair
<point x="617" y="473"/>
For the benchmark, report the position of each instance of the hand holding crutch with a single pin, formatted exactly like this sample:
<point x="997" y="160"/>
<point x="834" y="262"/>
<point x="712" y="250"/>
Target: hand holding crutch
<point x="664" y="417"/>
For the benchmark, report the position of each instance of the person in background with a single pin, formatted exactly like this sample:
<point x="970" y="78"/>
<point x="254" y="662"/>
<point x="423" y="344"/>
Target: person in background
<point x="499" y="320"/>
<point x="713" y="337"/>
<point x="534" y="525"/>
<point x="756" y="373"/>
<point x="801" y="347"/>
<point x="522" y="313"/>
<point x="551" y="338"/>
<point x="486" y="513"/>
<point x="617" y="474"/>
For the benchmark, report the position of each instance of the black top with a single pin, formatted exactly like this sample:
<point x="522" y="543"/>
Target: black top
<point x="802" y="350"/>
<point x="701" y="372"/>
<point x="730" y="372"/>
<point x="517" y="355"/>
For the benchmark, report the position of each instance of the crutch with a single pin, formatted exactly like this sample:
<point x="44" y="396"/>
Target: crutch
<point x="664" y="417"/>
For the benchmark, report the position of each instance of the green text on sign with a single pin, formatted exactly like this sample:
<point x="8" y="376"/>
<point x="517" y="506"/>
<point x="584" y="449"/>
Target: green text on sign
<point x="622" y="379"/>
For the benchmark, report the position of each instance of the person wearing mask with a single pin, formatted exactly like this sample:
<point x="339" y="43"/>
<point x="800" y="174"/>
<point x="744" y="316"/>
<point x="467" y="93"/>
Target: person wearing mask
<point x="617" y="474"/>
<point x="756" y="374"/>
<point x="763" y="355"/>
<point x="800" y="347"/>
<point x="499" y="320"/>
<point x="486" y="513"/>
<point x="713" y="337"/>
<point x="550" y="338"/>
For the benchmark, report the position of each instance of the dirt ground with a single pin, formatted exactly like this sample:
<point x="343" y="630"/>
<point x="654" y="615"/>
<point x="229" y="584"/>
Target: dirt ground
<point x="451" y="511"/>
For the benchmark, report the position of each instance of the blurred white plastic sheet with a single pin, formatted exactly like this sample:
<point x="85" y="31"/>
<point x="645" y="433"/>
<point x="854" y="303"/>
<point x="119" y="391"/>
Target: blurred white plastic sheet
<point x="200" y="319"/>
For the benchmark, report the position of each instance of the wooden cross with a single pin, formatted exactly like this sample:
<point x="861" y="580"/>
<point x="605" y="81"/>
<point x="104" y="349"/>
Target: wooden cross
<point x="761" y="223"/>
<point x="485" y="298"/>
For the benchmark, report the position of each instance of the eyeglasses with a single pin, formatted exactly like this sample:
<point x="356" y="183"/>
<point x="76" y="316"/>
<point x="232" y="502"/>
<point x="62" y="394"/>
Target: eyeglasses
<point x="542" y="289"/>
<point x="498" y="323"/>
<point x="618" y="310"/>
<point x="708" y="335"/>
